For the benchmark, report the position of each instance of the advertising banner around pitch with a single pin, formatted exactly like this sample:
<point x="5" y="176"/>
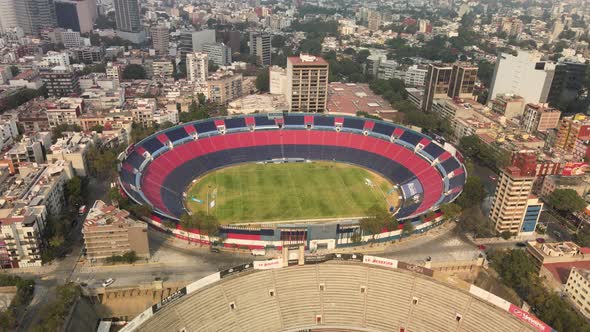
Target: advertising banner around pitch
<point x="169" y="299"/>
<point x="415" y="268"/>
<point x="385" y="262"/>
<point x="530" y="319"/>
<point x="269" y="264"/>
<point x="236" y="269"/>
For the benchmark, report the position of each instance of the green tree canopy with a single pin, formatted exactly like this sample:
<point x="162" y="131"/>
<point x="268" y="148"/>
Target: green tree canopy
<point x="134" y="72"/>
<point x="451" y="210"/>
<point x="565" y="200"/>
<point x="263" y="80"/>
<point x="473" y="193"/>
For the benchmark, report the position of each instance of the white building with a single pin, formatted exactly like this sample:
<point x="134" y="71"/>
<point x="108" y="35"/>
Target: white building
<point x="74" y="148"/>
<point x="71" y="39"/>
<point x="278" y="80"/>
<point x="577" y="289"/>
<point x="415" y="76"/>
<point x="197" y="66"/>
<point x="8" y="132"/>
<point x="524" y="75"/>
<point x="65" y="111"/>
<point x="218" y="53"/>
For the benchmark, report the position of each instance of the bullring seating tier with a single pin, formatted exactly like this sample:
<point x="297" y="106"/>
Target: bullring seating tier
<point x="331" y="295"/>
<point x="175" y="158"/>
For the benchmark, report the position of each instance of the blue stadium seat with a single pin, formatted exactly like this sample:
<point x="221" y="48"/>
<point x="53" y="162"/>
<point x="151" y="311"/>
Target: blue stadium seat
<point x="235" y="123"/>
<point x="294" y="120"/>
<point x="411" y="137"/>
<point x="434" y="150"/>
<point x="176" y="134"/>
<point x="353" y="123"/>
<point x="457" y="181"/>
<point x="323" y="121"/>
<point x="263" y="121"/>
<point x="450" y="165"/>
<point x="135" y="159"/>
<point x="152" y="145"/>
<point x="383" y="129"/>
<point x="205" y="127"/>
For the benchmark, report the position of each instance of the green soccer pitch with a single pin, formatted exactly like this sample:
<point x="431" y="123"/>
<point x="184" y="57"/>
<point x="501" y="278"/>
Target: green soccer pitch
<point x="289" y="191"/>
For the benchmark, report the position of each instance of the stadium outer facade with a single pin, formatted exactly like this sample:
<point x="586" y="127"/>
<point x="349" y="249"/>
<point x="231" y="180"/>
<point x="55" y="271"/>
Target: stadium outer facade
<point x="336" y="292"/>
<point x="157" y="170"/>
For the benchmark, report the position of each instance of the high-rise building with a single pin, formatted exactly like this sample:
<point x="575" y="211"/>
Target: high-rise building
<point x="539" y="117"/>
<point x="513" y="208"/>
<point x="218" y="53"/>
<point x="193" y="41"/>
<point x="71" y="39"/>
<point x="33" y="15"/>
<point x="78" y="15"/>
<point x="438" y="80"/>
<point x="307" y="83"/>
<point x="197" y="67"/>
<point x="260" y="47"/>
<point x="373" y="20"/>
<point x="232" y="39"/>
<point x="7" y="15"/>
<point x="524" y="75"/>
<point x="160" y="39"/>
<point x="463" y="79"/>
<point x="128" y="20"/>
<point x="577" y="288"/>
<point x="567" y="82"/>
<point x="572" y="129"/>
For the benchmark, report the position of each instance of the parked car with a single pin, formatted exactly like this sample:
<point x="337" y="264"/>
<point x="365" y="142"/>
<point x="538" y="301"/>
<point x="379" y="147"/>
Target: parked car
<point x="82" y="210"/>
<point x="215" y="250"/>
<point x="108" y="282"/>
<point x="521" y="244"/>
<point x="540" y="240"/>
<point x="481" y="247"/>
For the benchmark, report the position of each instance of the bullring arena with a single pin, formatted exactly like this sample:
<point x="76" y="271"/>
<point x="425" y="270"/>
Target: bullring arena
<point x="337" y="292"/>
<point x="414" y="175"/>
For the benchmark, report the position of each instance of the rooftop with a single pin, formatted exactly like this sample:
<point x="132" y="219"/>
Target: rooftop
<point x="305" y="59"/>
<point x="350" y="98"/>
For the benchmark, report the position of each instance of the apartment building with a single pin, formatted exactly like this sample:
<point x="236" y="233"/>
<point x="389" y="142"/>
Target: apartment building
<point x="73" y="148"/>
<point x="65" y="111"/>
<point x="463" y="78"/>
<point x="577" y="289"/>
<point x="22" y="233"/>
<point x="539" y="117"/>
<point x="60" y="82"/>
<point x="572" y="129"/>
<point x="508" y="105"/>
<point x="511" y="198"/>
<point x="160" y="39"/>
<point x="224" y="86"/>
<point x="109" y="231"/>
<point x="197" y="66"/>
<point x="162" y="68"/>
<point x="307" y="83"/>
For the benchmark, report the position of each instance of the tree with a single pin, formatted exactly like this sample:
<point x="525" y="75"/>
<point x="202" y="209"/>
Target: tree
<point x="451" y="210"/>
<point x="506" y="235"/>
<point x="473" y="193"/>
<point x="362" y="55"/>
<point x="407" y="229"/>
<point x="134" y="72"/>
<point x="376" y="220"/>
<point x="565" y="200"/>
<point x="73" y="191"/>
<point x="277" y="41"/>
<point x="98" y="128"/>
<point x="262" y="80"/>
<point x="212" y="67"/>
<point x="14" y="71"/>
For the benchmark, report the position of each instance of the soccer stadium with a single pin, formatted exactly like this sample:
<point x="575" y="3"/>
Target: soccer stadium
<point x="299" y="178"/>
<point x="336" y="292"/>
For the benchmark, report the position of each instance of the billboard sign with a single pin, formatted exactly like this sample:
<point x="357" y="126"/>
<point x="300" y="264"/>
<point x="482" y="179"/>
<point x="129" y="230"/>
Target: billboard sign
<point x="530" y="319"/>
<point x="384" y="262"/>
<point x="571" y="169"/>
